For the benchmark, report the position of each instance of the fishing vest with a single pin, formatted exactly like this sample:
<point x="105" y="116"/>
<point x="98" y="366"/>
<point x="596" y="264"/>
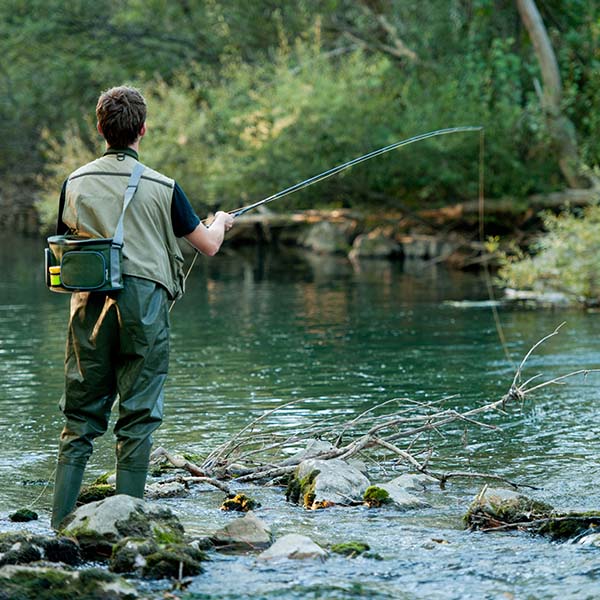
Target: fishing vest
<point x="93" y="204"/>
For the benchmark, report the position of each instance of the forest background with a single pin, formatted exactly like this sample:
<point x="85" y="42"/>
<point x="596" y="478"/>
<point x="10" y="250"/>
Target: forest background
<point x="246" y="98"/>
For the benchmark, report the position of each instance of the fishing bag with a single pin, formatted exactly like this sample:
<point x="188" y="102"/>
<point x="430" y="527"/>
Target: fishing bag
<point x="78" y="264"/>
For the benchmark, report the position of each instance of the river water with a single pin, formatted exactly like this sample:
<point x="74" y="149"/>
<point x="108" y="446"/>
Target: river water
<point x="259" y="329"/>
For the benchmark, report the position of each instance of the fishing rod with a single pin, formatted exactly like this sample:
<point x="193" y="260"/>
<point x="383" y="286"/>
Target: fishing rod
<point x="333" y="171"/>
<point x="355" y="161"/>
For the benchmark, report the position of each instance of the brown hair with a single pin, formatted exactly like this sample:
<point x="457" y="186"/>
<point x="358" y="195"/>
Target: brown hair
<point x="121" y="113"/>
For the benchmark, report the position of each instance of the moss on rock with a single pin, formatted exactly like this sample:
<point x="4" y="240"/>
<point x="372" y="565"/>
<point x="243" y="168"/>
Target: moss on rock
<point x="239" y="503"/>
<point x="374" y="497"/>
<point x="302" y="490"/>
<point x="23" y="515"/>
<point x="350" y="549"/>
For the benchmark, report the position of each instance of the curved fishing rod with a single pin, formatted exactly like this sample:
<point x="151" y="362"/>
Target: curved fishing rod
<point x="325" y="174"/>
<point x="333" y="171"/>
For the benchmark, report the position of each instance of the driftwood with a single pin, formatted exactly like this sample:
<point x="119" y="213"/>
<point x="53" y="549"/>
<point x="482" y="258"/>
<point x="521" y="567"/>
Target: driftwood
<point x="256" y="453"/>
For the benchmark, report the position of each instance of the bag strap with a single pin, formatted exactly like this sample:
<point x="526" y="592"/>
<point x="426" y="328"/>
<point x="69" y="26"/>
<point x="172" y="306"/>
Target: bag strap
<point x="132" y="186"/>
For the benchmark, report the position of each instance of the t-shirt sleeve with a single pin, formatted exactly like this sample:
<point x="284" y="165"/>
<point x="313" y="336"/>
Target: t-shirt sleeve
<point x="61" y="228"/>
<point x="183" y="216"/>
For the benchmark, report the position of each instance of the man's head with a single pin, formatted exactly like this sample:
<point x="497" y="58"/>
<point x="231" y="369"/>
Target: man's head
<point x="121" y="113"/>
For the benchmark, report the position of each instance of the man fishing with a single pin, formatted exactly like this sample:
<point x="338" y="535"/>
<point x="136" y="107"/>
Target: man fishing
<point x="118" y="341"/>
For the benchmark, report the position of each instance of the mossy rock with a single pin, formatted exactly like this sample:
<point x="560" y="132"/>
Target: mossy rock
<point x="18" y="547"/>
<point x="302" y="491"/>
<point x="44" y="583"/>
<point x="350" y="549"/>
<point x="375" y="497"/>
<point x="239" y="503"/>
<point x="23" y="515"/>
<point x="570" y="525"/>
<point x="95" y="492"/>
<point x="498" y="507"/>
<point x="173" y="561"/>
<point x="129" y="554"/>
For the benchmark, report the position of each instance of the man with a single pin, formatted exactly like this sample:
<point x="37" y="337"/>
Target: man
<point x="118" y="342"/>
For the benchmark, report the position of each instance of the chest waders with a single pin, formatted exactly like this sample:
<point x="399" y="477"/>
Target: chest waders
<point x="117" y="346"/>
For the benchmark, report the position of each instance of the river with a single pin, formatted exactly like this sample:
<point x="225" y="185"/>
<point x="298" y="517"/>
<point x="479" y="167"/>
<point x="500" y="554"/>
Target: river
<point x="257" y="329"/>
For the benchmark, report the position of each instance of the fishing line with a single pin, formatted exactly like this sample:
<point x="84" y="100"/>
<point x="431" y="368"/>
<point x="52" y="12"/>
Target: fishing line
<point x="486" y="268"/>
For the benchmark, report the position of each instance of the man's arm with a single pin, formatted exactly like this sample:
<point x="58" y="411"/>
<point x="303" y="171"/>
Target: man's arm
<point x="186" y="224"/>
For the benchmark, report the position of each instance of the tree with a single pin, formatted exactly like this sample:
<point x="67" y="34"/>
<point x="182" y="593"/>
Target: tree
<point x="561" y="128"/>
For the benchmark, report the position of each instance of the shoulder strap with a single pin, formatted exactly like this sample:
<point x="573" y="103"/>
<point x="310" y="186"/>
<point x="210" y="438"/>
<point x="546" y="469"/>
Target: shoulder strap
<point x="134" y="180"/>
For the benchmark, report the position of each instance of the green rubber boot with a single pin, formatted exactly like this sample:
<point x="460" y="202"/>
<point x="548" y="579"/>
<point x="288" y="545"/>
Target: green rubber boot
<point x="66" y="489"/>
<point x="131" y="483"/>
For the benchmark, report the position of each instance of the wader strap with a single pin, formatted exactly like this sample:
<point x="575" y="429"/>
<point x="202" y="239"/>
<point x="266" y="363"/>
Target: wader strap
<point x="134" y="180"/>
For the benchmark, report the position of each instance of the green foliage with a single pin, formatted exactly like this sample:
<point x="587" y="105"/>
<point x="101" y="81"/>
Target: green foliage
<point x="565" y="259"/>
<point x="246" y="99"/>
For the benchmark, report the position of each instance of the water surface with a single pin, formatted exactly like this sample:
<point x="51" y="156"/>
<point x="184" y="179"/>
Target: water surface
<point x="259" y="329"/>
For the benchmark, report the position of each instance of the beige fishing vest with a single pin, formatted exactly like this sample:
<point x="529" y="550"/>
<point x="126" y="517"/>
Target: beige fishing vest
<point x="93" y="204"/>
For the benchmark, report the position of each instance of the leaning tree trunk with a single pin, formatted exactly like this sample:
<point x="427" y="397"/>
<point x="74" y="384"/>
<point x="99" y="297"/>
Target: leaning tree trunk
<point x="561" y="128"/>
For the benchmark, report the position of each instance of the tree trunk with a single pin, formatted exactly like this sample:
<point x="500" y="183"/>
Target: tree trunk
<point x="561" y="128"/>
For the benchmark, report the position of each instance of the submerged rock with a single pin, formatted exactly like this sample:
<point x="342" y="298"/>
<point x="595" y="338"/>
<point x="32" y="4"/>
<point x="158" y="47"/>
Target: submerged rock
<point x="21" y="547"/>
<point x="496" y="507"/>
<point x="49" y="583"/>
<point x="414" y="482"/>
<point x="321" y="483"/>
<point x="243" y="535"/>
<point x="350" y="549"/>
<point x="99" y="525"/>
<point x="294" y="546"/>
<point x="399" y="494"/>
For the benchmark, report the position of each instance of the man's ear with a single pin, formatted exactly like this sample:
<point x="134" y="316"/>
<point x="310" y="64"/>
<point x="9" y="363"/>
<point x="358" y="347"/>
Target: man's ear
<point x="99" y="129"/>
<point x="143" y="130"/>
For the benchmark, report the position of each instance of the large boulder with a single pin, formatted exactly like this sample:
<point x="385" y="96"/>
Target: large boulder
<point x="321" y="483"/>
<point x="99" y="525"/>
<point x="243" y="535"/>
<point x="294" y="546"/>
<point x="50" y="583"/>
<point x="21" y="547"/>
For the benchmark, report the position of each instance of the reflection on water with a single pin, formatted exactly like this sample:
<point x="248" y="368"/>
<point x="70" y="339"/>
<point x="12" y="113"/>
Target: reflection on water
<point x="256" y="330"/>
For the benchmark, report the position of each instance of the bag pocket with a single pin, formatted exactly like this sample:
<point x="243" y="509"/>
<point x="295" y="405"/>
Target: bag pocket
<point x="83" y="270"/>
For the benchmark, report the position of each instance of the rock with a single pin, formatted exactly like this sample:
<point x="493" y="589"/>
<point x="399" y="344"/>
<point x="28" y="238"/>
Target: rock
<point x="375" y="244"/>
<point x="243" y="535"/>
<point x="148" y="559"/>
<point x="313" y="448"/>
<point x="400" y="496"/>
<point x="172" y="489"/>
<point x="48" y="583"/>
<point x="23" y="515"/>
<point x="328" y="238"/>
<point x="99" y="525"/>
<point x="592" y="539"/>
<point x="320" y="483"/>
<point x="293" y="546"/>
<point x="414" y="482"/>
<point x="496" y="507"/>
<point x="20" y="547"/>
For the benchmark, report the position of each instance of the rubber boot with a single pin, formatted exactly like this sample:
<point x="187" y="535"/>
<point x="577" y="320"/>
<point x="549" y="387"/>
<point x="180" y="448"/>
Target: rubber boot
<point x="67" y="485"/>
<point x="131" y="483"/>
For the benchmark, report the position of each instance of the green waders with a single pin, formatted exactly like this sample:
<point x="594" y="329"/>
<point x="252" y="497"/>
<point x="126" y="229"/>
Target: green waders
<point x="118" y="344"/>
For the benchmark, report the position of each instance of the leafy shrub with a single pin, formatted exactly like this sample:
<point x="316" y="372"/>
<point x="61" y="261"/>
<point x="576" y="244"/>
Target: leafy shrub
<point x="566" y="259"/>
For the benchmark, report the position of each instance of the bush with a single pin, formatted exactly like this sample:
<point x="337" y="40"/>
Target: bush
<point x="565" y="258"/>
